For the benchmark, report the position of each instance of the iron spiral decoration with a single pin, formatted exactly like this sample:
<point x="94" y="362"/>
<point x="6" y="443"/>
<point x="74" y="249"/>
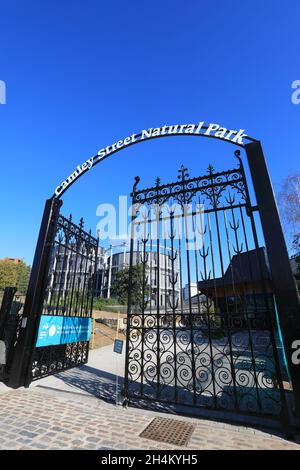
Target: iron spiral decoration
<point x="219" y="349"/>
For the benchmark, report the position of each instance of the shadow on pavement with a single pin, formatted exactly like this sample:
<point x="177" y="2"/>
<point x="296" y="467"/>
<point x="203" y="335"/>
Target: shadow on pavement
<point x="102" y="385"/>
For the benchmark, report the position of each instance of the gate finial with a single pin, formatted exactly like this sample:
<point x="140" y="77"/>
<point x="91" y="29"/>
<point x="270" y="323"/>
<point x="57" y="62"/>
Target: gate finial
<point x="136" y="182"/>
<point x="237" y="154"/>
<point x="210" y="169"/>
<point x="183" y="173"/>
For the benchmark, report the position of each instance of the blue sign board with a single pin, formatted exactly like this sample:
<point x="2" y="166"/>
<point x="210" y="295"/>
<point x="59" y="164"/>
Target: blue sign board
<point x="118" y="346"/>
<point x="54" y="330"/>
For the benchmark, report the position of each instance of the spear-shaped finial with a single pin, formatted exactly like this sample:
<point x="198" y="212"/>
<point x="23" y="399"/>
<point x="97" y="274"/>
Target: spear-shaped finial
<point x="210" y="169"/>
<point x="136" y="182"/>
<point x="183" y="173"/>
<point x="81" y="222"/>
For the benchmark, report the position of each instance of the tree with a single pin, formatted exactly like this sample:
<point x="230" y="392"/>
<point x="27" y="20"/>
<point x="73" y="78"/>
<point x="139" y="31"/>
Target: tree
<point x="23" y="273"/>
<point x="121" y="285"/>
<point x="289" y="204"/>
<point x="14" y="275"/>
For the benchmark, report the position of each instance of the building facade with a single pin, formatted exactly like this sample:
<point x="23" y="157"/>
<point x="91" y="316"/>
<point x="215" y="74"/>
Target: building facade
<point x="157" y="272"/>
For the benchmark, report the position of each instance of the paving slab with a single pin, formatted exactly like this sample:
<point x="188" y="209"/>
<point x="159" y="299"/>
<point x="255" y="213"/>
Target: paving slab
<point x="40" y="418"/>
<point x="77" y="409"/>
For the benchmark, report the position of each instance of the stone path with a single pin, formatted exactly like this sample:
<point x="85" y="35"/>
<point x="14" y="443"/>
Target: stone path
<point x="71" y="411"/>
<point x="43" y="418"/>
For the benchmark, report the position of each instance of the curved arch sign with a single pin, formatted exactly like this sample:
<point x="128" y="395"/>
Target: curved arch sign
<point x="214" y="131"/>
<point x="284" y="287"/>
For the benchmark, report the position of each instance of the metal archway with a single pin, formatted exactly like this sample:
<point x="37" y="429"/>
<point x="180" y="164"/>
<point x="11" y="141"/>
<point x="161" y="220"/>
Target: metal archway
<point x="225" y="135"/>
<point x="285" y="292"/>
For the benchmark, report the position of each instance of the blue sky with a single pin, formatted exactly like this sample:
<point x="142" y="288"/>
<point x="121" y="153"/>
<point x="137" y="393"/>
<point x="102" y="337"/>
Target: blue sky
<point x="81" y="75"/>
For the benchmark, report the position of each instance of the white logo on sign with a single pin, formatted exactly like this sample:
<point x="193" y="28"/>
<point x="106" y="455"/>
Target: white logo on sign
<point x="52" y="330"/>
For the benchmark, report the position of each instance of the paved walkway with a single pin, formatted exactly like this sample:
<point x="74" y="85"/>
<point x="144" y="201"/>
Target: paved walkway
<point x="63" y="412"/>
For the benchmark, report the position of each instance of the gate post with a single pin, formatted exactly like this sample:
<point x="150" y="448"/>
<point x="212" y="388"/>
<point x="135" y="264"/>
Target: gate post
<point x="284" y="284"/>
<point x="7" y="300"/>
<point x="34" y="297"/>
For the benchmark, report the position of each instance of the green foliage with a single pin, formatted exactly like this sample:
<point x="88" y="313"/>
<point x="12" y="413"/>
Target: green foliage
<point x="14" y="275"/>
<point x="23" y="274"/>
<point x="121" y="285"/>
<point x="99" y="303"/>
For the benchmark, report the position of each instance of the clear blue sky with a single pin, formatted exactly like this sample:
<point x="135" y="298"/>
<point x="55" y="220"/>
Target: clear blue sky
<point x="81" y="75"/>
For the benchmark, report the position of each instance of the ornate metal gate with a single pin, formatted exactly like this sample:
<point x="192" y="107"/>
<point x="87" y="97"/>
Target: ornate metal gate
<point x="68" y="293"/>
<point x="60" y="296"/>
<point x="203" y="330"/>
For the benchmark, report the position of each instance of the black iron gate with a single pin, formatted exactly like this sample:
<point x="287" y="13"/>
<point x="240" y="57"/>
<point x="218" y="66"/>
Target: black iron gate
<point x="203" y="331"/>
<point x="69" y="292"/>
<point x="60" y="295"/>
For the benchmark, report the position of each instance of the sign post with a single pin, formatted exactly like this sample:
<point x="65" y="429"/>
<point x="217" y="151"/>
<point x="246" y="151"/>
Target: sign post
<point x="118" y="348"/>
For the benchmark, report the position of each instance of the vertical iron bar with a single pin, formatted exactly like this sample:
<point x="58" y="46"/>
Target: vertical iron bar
<point x="65" y="265"/>
<point x="67" y="278"/>
<point x="144" y="306"/>
<point x="158" y="295"/>
<point x="212" y="260"/>
<point x="206" y="278"/>
<point x="165" y="274"/>
<point x="77" y="245"/>
<point x="180" y="274"/>
<point x="151" y="274"/>
<point x="128" y="329"/>
<point x="89" y="251"/>
<point x="173" y="257"/>
<point x="196" y="262"/>
<point x="94" y="280"/>
<point x="191" y="320"/>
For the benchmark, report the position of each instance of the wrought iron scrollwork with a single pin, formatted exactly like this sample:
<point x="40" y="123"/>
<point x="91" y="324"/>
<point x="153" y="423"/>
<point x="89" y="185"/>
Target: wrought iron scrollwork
<point x="212" y="187"/>
<point x="218" y="347"/>
<point x="69" y="292"/>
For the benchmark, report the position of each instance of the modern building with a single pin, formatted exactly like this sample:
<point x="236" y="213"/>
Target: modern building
<point x="242" y="278"/>
<point x="111" y="264"/>
<point x="68" y="271"/>
<point x="247" y="280"/>
<point x="189" y="290"/>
